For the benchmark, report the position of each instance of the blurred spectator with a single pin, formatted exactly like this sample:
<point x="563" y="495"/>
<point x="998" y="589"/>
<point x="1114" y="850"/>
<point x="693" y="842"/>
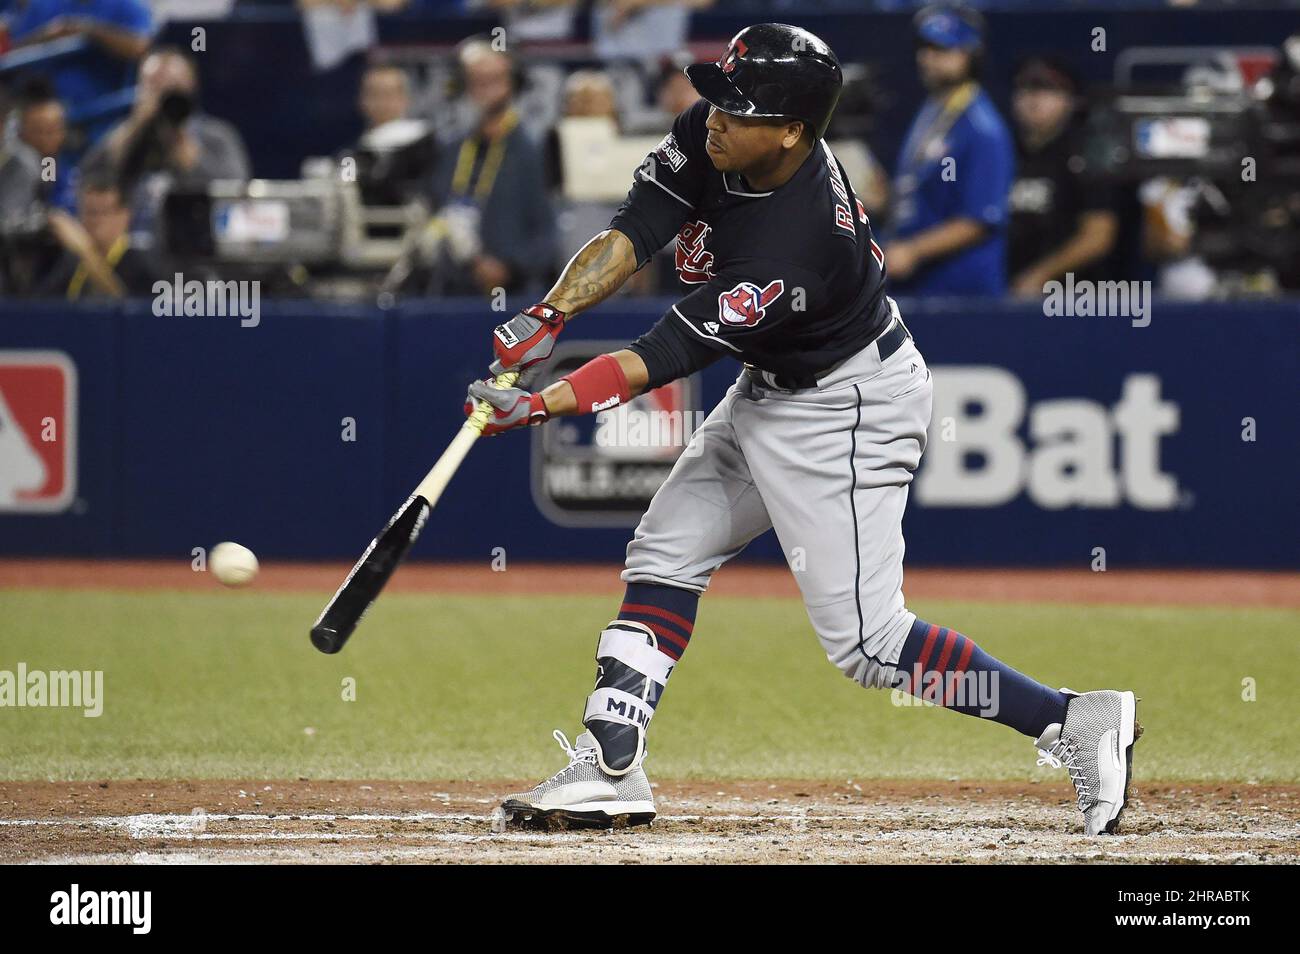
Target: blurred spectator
<point x="849" y="134"/>
<point x="954" y="171"/>
<point x="385" y="95"/>
<point x="20" y="184"/>
<point x="337" y="29"/>
<point x="590" y="93"/>
<point x="1167" y="232"/>
<point x="641" y="30"/>
<point x="674" y="93"/>
<point x="1061" y="219"/>
<point x="167" y="141"/>
<point x="528" y="21"/>
<point x="587" y="93"/>
<point x="117" y="34"/>
<point x="396" y="154"/>
<point x="494" y="213"/>
<point x="42" y="124"/>
<point x="98" y="260"/>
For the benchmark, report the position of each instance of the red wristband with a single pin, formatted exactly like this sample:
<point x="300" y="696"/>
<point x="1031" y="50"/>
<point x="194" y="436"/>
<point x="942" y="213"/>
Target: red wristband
<point x="599" y="384"/>
<point x="537" y="411"/>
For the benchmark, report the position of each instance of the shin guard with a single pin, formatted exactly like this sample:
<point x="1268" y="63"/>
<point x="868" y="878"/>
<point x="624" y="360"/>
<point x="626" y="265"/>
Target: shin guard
<point x="631" y="674"/>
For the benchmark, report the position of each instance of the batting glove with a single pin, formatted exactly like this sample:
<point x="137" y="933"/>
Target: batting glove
<point x="511" y="407"/>
<point x="527" y="339"/>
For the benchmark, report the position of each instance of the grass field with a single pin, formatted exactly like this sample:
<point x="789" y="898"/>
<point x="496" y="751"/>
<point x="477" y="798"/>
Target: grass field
<point x="225" y="685"/>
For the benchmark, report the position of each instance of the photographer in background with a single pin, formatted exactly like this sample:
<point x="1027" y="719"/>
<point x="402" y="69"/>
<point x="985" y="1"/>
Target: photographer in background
<point x="1061" y="219"/>
<point x="396" y="154"/>
<point x="97" y="260"/>
<point x="167" y="141"/>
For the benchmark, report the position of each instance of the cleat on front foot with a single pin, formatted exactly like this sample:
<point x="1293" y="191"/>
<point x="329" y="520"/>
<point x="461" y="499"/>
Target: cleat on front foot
<point x="581" y="795"/>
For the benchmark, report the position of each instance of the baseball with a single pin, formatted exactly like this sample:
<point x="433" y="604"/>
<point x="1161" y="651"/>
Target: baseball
<point x="233" y="564"/>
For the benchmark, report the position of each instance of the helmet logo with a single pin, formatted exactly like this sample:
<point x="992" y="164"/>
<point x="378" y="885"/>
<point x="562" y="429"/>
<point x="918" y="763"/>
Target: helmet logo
<point x="746" y="304"/>
<point x="737" y="50"/>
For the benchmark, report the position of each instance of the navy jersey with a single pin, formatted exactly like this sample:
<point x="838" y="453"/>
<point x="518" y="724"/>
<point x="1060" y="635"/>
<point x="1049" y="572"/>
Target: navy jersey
<point x="790" y="280"/>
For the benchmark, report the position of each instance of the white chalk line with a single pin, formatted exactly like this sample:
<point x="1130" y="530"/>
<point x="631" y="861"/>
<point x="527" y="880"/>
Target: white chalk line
<point x="194" y="827"/>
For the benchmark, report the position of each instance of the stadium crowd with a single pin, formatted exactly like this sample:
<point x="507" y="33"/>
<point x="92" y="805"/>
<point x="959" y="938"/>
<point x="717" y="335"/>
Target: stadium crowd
<point x="494" y="157"/>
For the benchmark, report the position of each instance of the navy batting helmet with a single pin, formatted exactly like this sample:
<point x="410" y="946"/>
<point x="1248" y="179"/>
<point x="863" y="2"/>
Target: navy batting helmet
<point x="776" y="70"/>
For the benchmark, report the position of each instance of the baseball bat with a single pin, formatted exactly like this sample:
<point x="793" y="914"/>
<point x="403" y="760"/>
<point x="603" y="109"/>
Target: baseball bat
<point x="386" y="551"/>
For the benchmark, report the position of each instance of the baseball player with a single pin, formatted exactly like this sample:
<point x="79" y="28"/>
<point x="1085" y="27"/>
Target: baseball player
<point x="818" y="438"/>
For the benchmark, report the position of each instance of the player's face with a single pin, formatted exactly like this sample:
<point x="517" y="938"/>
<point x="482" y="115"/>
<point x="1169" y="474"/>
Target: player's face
<point x="739" y="143"/>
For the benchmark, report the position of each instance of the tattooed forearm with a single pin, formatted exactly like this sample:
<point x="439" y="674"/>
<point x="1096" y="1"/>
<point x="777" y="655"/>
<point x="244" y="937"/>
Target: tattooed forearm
<point x="596" y="272"/>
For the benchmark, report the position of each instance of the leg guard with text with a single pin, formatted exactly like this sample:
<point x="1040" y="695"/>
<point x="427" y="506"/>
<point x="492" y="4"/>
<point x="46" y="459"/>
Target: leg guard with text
<point x="634" y="658"/>
<point x="631" y="674"/>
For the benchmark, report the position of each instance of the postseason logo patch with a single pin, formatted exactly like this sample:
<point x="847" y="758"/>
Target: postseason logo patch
<point x="671" y="153"/>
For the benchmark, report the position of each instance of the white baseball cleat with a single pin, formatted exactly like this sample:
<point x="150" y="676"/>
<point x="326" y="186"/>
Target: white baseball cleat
<point x="581" y="795"/>
<point x="1095" y="745"/>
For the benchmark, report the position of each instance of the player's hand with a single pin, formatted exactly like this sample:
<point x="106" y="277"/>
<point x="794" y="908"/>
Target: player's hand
<point x="527" y="339"/>
<point x="511" y="407"/>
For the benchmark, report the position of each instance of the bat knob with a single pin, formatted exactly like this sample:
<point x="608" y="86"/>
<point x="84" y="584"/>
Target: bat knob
<point x="326" y="639"/>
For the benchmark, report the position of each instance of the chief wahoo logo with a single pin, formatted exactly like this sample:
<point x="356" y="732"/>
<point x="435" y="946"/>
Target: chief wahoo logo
<point x="746" y="304"/>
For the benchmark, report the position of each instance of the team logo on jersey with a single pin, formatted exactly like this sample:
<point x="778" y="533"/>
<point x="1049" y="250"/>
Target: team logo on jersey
<point x="38" y="441"/>
<point x="670" y="153"/>
<point x="736" y="52"/>
<point x="746" y="304"/>
<point x="694" y="264"/>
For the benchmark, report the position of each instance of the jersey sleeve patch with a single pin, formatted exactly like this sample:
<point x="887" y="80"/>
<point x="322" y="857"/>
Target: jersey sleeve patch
<point x="670" y="153"/>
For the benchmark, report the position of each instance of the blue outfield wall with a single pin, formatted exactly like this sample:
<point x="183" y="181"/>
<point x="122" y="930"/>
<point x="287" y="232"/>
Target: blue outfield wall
<point x="1050" y="437"/>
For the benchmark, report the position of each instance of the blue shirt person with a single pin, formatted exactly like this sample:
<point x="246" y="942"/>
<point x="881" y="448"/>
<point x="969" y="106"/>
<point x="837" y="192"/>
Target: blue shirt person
<point x="118" y="34"/>
<point x="954" y="172"/>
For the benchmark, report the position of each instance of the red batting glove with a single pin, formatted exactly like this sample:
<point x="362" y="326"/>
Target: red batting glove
<point x="526" y="339"/>
<point x="511" y="407"/>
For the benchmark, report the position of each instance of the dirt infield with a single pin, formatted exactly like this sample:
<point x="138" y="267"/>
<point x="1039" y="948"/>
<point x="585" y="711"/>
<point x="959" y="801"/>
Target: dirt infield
<point x="304" y="821"/>
<point x="1165" y="587"/>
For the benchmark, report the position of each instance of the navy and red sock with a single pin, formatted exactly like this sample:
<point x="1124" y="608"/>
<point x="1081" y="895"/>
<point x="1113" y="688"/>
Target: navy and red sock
<point x="942" y="666"/>
<point x="669" y="611"/>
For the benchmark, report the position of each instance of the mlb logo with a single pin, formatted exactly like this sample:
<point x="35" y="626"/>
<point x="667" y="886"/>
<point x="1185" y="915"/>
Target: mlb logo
<point x="38" y="439"/>
<point x="652" y="427"/>
<point x="600" y="470"/>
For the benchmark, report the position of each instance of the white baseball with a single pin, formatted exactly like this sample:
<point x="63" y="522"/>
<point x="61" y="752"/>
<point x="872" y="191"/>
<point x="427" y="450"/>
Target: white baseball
<point x="233" y="564"/>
